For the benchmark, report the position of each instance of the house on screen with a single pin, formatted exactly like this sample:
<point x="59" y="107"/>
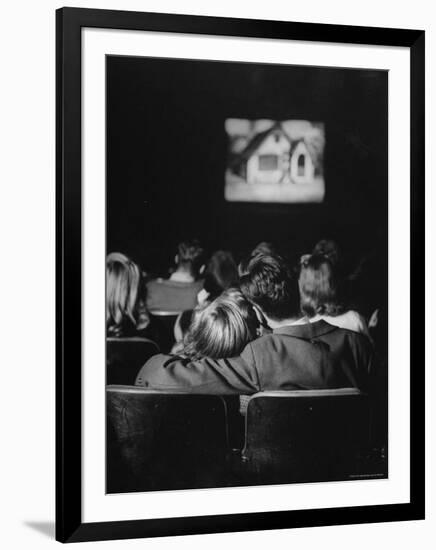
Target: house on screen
<point x="272" y="157"/>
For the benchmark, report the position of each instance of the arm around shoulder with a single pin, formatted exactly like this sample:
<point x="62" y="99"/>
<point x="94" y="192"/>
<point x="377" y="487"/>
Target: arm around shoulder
<point x="235" y="375"/>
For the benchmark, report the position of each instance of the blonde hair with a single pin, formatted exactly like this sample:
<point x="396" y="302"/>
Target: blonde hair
<point x="222" y="328"/>
<point x="123" y="288"/>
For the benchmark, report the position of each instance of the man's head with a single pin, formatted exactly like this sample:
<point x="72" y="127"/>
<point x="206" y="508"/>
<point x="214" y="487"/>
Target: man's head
<point x="190" y="257"/>
<point x="269" y="284"/>
<point x="264" y="247"/>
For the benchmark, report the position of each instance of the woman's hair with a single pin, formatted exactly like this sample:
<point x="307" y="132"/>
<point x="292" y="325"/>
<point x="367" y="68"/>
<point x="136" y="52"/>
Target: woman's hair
<point x="319" y="286"/>
<point x="124" y="289"/>
<point x="221" y="273"/>
<point x="222" y="328"/>
<point x="330" y="249"/>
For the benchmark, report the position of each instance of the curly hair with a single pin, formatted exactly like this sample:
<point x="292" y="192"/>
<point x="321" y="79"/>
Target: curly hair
<point x="269" y="283"/>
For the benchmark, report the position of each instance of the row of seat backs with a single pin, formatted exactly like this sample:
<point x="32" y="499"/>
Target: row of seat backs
<point x="175" y="440"/>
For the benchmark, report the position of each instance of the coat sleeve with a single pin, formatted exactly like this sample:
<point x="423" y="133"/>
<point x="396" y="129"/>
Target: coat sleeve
<point x="364" y="362"/>
<point x="235" y="375"/>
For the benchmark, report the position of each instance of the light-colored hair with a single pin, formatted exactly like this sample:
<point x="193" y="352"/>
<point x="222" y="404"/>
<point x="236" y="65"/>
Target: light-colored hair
<point x="222" y="328"/>
<point x="123" y="288"/>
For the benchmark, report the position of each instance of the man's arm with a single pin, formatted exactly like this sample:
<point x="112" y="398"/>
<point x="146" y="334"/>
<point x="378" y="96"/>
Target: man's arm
<point x="235" y="375"/>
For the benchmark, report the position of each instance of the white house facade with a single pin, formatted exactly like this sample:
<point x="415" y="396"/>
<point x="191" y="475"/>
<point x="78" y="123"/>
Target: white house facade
<point x="270" y="162"/>
<point x="274" y="158"/>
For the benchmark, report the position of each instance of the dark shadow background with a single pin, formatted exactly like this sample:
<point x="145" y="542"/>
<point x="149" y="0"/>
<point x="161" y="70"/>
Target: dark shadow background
<point x="167" y="146"/>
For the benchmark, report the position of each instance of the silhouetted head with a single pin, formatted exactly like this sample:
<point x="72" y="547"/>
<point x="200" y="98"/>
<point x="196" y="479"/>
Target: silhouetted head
<point x="221" y="273"/>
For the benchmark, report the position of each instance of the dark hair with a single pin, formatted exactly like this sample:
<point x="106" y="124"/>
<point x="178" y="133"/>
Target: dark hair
<point x="319" y="286"/>
<point x="269" y="283"/>
<point x="264" y="247"/>
<point x="330" y="249"/>
<point x="222" y="328"/>
<point x="221" y="273"/>
<point x="190" y="255"/>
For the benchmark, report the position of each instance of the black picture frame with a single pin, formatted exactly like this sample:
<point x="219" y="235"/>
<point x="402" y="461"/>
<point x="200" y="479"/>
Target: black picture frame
<point x="69" y="525"/>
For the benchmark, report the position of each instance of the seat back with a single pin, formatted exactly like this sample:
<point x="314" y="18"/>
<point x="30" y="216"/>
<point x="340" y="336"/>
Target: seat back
<point x="125" y="357"/>
<point x="164" y="440"/>
<point x="306" y="435"/>
<point x="166" y="321"/>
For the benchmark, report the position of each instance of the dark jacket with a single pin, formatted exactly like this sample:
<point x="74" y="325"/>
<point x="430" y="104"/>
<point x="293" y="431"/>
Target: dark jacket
<point x="312" y="356"/>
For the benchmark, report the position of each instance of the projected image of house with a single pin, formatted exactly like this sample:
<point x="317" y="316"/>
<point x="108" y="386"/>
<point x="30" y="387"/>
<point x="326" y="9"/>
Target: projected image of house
<point x="274" y="161"/>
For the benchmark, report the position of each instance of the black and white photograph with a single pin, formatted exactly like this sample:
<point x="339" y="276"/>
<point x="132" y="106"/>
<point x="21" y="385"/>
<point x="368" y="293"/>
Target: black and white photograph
<point x="217" y="306"/>
<point x="246" y="274"/>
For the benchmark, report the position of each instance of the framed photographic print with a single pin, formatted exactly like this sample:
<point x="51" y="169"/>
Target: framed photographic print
<point x="240" y="269"/>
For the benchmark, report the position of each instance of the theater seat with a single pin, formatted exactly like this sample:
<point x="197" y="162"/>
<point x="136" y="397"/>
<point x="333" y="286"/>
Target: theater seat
<point x="301" y="436"/>
<point x="166" y="320"/>
<point x="161" y="440"/>
<point x="125" y="357"/>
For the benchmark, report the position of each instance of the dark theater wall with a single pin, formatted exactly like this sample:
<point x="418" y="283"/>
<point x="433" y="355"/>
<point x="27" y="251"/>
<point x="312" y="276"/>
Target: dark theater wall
<point x="167" y="146"/>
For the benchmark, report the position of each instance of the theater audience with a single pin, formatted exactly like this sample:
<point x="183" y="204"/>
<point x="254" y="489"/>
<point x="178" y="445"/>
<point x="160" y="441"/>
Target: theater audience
<point x="179" y="292"/>
<point x="221" y="329"/>
<point x="320" y="295"/>
<point x="221" y="273"/>
<point x="294" y="356"/>
<point x="126" y="314"/>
